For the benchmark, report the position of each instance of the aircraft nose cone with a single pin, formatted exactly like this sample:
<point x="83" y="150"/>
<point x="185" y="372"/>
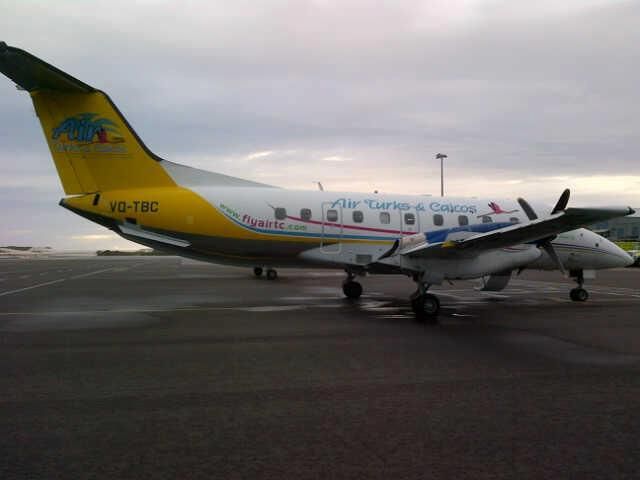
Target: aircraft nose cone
<point x="617" y="257"/>
<point x="623" y="259"/>
<point x="627" y="260"/>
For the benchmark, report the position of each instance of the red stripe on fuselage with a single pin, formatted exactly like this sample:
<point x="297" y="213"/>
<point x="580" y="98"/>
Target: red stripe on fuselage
<point x="353" y="227"/>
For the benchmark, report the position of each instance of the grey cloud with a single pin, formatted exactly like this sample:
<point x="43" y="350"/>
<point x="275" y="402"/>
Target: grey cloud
<point x="508" y="89"/>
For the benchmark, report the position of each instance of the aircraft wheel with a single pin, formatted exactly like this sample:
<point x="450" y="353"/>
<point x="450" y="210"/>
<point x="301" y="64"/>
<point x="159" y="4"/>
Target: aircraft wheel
<point x="426" y="307"/>
<point x="579" y="295"/>
<point x="352" y="289"/>
<point x="257" y="271"/>
<point x="271" y="274"/>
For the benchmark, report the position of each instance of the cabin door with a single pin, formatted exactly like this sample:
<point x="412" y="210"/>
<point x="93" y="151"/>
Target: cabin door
<point x="332" y="228"/>
<point x="409" y="225"/>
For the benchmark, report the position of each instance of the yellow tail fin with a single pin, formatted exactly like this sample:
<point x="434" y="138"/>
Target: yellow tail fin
<point x="93" y="146"/>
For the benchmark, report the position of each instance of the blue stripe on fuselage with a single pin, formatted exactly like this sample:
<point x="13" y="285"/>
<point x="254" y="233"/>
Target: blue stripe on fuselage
<point x="438" y="236"/>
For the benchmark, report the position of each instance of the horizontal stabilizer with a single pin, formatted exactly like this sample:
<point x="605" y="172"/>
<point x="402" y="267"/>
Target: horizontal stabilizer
<point x="138" y="232"/>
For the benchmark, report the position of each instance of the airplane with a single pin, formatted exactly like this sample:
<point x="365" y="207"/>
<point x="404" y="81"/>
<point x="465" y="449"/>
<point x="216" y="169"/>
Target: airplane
<point x="110" y="177"/>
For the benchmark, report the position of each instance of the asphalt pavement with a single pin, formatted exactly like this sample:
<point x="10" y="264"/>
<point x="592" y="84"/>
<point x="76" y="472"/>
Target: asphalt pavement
<point x="139" y="367"/>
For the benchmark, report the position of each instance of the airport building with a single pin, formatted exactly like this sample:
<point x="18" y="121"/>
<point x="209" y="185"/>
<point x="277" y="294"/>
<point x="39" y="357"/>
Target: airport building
<point x="623" y="228"/>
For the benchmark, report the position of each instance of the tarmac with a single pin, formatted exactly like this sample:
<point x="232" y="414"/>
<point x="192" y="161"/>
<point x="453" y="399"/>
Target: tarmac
<point x="154" y="367"/>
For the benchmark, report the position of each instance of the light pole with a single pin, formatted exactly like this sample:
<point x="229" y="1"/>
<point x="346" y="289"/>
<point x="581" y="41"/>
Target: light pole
<point x="441" y="156"/>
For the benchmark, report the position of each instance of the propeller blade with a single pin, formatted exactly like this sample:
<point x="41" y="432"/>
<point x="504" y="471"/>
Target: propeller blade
<point x="531" y="215"/>
<point x="554" y="256"/>
<point x="545" y="243"/>
<point x="562" y="201"/>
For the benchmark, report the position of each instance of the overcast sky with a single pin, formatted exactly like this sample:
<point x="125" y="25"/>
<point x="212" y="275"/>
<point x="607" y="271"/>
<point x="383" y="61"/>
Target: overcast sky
<point x="526" y="98"/>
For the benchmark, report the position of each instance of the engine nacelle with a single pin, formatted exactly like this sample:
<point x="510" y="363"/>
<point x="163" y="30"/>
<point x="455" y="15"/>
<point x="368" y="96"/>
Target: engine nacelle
<point x="467" y="266"/>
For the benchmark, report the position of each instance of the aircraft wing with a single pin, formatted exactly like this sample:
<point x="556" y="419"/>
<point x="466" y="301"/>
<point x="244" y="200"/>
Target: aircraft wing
<point x="506" y="236"/>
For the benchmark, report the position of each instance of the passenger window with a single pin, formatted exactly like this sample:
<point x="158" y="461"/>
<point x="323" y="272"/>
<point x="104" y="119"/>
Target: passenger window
<point x="358" y="216"/>
<point x="486" y="219"/>
<point x="437" y="219"/>
<point x="514" y="220"/>
<point x="281" y="213"/>
<point x="385" y="217"/>
<point x="305" y="214"/>
<point x="332" y="215"/>
<point x="409" y="219"/>
<point x="463" y="220"/>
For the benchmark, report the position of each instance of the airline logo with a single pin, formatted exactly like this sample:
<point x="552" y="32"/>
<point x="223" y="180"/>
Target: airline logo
<point x="496" y="210"/>
<point x="376" y="204"/>
<point x="87" y="132"/>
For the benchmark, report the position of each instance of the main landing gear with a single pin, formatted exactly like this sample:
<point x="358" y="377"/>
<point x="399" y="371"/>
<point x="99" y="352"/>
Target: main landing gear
<point x="271" y="273"/>
<point x="351" y="288"/>
<point x="578" y="294"/>
<point x="425" y="305"/>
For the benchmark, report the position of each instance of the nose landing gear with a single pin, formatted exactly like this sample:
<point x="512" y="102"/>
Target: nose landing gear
<point x="578" y="294"/>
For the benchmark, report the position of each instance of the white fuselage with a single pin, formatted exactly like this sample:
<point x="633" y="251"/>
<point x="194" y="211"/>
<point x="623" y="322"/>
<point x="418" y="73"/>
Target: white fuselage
<point x="340" y="227"/>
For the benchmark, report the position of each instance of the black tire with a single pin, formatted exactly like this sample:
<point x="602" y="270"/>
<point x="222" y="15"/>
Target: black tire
<point x="426" y="307"/>
<point x="271" y="274"/>
<point x="257" y="271"/>
<point x="352" y="289"/>
<point x="431" y="305"/>
<point x="579" y="295"/>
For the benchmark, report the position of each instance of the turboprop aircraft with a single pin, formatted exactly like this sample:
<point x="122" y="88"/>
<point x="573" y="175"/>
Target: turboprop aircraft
<point x="110" y="177"/>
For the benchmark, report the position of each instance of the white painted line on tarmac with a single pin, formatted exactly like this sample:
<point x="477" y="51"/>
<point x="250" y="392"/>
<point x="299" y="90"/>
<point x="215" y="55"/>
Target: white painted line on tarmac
<point x="123" y="310"/>
<point x="82" y="275"/>
<point x="38" y="285"/>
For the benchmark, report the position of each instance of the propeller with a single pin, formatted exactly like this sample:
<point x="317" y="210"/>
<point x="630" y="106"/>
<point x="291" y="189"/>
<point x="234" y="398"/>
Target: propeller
<point x="545" y="243"/>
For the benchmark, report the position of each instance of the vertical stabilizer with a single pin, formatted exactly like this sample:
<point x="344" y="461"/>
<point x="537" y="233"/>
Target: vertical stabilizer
<point x="93" y="146"/>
